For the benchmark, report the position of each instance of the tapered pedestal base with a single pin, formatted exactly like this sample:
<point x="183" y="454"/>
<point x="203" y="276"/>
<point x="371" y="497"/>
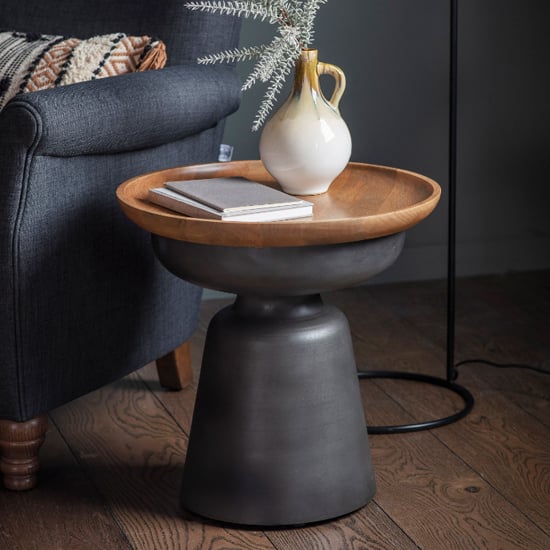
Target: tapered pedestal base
<point x="278" y="434"/>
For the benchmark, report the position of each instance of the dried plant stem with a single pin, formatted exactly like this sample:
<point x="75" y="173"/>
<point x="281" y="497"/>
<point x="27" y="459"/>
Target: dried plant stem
<point x="295" y="28"/>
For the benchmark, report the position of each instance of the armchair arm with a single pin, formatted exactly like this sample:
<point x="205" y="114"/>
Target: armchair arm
<point x="123" y="113"/>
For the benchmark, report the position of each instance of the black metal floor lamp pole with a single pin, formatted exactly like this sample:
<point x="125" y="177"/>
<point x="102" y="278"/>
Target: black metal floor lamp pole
<point x="448" y="382"/>
<point x="451" y="236"/>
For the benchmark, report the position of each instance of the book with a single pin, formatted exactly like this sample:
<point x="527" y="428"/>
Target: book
<point x="232" y="194"/>
<point x="230" y="199"/>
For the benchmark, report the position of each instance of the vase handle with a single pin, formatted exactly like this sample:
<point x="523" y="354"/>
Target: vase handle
<point x="340" y="81"/>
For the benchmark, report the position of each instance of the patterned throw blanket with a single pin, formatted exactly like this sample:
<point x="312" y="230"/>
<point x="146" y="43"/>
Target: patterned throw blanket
<point x="31" y="62"/>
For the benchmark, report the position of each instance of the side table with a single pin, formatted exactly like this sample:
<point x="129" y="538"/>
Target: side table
<point x="278" y="434"/>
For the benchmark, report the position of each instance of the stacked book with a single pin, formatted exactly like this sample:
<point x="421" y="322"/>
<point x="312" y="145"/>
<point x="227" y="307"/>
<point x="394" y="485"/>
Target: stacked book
<point x="230" y="199"/>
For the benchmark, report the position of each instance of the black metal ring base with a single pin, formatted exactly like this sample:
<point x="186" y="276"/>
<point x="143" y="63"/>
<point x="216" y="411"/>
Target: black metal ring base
<point x="428" y="424"/>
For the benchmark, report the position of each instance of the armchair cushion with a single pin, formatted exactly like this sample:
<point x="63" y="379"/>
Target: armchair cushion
<point x="32" y="62"/>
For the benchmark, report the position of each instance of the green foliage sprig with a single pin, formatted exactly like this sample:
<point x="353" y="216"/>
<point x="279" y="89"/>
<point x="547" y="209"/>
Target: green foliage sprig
<point x="274" y="61"/>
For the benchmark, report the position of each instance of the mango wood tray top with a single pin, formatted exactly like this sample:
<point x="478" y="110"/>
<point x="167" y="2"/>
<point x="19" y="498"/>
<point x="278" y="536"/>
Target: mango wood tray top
<point x="364" y="202"/>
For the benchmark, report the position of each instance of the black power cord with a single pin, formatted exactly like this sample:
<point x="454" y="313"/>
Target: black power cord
<point x="540" y="370"/>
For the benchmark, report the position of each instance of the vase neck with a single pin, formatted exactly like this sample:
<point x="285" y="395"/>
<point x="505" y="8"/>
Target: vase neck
<point x="305" y="73"/>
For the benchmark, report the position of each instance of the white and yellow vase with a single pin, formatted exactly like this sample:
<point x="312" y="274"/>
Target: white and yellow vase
<point x="306" y="143"/>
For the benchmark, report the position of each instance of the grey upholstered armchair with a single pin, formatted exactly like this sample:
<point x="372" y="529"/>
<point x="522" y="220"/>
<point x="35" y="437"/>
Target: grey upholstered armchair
<point x="83" y="299"/>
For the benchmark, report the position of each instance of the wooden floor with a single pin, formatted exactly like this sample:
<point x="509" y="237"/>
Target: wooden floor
<point x="113" y="459"/>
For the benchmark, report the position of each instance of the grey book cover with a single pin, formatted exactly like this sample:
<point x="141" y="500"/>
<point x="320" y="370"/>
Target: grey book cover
<point x="234" y="194"/>
<point x="189" y="207"/>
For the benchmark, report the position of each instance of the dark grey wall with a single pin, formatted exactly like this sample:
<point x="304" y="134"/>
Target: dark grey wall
<point x="395" y="54"/>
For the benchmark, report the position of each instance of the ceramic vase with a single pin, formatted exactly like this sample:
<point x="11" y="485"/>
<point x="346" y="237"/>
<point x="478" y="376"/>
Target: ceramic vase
<point x="306" y="143"/>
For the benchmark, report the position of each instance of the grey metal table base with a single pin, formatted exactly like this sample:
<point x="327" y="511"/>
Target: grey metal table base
<point x="278" y="434"/>
<point x="268" y="446"/>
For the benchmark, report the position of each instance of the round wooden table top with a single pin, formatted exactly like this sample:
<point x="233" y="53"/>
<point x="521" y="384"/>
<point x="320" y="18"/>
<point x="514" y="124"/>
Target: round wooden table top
<point x="364" y="202"/>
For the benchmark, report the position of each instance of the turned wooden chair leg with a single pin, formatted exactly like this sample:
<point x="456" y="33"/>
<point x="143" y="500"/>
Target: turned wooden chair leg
<point x="174" y="369"/>
<point x="19" y="446"/>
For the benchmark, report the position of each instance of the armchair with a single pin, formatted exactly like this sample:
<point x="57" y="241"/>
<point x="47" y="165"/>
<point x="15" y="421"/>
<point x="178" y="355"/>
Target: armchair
<point x="83" y="299"/>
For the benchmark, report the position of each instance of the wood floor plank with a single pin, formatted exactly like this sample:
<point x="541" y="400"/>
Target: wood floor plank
<point x="527" y="292"/>
<point x="514" y="441"/>
<point x="435" y="497"/>
<point x="179" y="403"/>
<point x="368" y="528"/>
<point x="499" y="440"/>
<point x="510" y="324"/>
<point x="134" y="452"/>
<point x="64" y="511"/>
